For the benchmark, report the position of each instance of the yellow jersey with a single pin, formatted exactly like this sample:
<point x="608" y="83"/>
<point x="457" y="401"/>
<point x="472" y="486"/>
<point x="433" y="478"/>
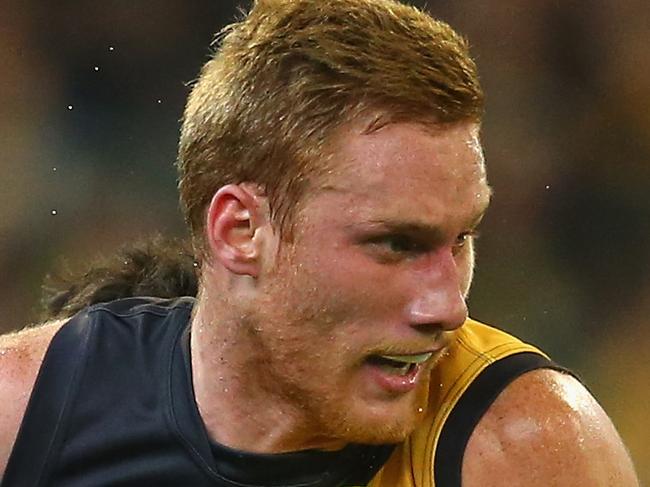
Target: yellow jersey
<point x="480" y="363"/>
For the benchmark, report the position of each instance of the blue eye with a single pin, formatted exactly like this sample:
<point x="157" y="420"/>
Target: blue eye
<point x="463" y="239"/>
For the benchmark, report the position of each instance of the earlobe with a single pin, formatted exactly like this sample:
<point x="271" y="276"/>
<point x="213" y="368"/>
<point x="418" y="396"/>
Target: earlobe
<point x="233" y="218"/>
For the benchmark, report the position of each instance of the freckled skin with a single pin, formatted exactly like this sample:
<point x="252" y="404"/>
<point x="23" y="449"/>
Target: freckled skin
<point x="278" y="347"/>
<point x="20" y="358"/>
<point x="567" y="441"/>
<point x="299" y="327"/>
<point x="331" y="298"/>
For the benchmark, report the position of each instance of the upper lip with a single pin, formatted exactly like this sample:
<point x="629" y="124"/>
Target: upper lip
<point x="414" y="358"/>
<point x="421" y="355"/>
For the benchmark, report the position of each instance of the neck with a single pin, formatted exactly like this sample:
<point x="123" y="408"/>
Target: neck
<point x="237" y="406"/>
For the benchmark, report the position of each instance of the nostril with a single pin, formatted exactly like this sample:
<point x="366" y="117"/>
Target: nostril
<point x="429" y="329"/>
<point x="456" y="319"/>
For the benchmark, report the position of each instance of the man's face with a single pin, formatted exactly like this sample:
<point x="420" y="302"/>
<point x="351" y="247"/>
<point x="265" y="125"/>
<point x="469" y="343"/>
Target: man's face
<point x="358" y="308"/>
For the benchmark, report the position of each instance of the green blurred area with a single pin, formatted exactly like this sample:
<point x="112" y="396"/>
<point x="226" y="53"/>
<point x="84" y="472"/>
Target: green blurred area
<point x="91" y="94"/>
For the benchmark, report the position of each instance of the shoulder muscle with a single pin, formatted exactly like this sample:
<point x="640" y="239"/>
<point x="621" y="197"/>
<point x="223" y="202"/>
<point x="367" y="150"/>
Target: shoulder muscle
<point x="546" y="429"/>
<point x="21" y="354"/>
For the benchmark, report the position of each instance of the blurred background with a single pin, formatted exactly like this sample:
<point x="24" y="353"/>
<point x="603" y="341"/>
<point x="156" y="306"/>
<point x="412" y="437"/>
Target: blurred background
<point x="91" y="94"/>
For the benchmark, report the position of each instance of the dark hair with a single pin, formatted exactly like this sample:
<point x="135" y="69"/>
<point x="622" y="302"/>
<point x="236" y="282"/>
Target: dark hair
<point x="159" y="267"/>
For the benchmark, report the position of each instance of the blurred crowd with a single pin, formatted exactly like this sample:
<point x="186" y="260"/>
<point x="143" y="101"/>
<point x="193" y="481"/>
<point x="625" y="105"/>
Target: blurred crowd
<point x="91" y="94"/>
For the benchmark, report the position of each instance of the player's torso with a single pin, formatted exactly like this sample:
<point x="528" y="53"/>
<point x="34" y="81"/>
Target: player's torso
<point x="150" y="428"/>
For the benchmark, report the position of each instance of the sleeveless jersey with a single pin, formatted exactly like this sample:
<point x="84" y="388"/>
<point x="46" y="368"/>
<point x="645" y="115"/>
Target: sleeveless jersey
<point x="113" y="405"/>
<point x="480" y="363"/>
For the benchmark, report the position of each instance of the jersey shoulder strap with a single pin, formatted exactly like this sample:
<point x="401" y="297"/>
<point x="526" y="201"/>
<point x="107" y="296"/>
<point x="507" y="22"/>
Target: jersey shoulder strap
<point x="480" y="363"/>
<point x="103" y="351"/>
<point x="56" y="385"/>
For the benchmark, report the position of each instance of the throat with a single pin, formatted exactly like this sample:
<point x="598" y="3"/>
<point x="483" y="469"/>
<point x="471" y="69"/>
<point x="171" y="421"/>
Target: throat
<point x="241" y="412"/>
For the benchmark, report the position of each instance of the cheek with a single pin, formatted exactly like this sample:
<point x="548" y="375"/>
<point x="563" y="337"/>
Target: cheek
<point x="338" y="287"/>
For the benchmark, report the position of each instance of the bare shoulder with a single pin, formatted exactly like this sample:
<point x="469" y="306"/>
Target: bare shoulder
<point x="21" y="354"/>
<point x="546" y="429"/>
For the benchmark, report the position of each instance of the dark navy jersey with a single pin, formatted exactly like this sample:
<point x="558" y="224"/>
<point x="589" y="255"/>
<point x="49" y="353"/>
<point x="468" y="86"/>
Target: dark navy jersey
<point x="113" y="405"/>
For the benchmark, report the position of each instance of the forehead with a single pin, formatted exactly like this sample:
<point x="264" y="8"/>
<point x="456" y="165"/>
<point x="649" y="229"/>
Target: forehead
<point x="408" y="168"/>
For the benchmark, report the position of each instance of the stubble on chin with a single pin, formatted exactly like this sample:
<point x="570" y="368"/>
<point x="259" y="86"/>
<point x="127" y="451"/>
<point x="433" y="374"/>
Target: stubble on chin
<point x="399" y="426"/>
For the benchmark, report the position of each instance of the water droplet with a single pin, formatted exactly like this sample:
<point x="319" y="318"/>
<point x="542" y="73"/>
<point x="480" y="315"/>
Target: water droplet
<point x="69" y="107"/>
<point x="111" y="48"/>
<point x="54" y="212"/>
<point x="225" y="389"/>
<point x="548" y="186"/>
<point x="2" y="352"/>
<point x="96" y="68"/>
<point x="420" y="410"/>
<point x="159" y="100"/>
<point x="195" y="264"/>
<point x="54" y="169"/>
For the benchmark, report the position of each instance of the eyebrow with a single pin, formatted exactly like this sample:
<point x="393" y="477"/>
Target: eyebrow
<point x="431" y="231"/>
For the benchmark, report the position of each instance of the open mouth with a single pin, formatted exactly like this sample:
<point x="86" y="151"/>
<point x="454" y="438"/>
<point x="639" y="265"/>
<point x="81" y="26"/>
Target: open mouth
<point x="403" y="365"/>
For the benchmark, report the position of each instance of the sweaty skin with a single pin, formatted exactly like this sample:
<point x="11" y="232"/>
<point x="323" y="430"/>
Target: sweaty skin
<point x="380" y="262"/>
<point x="545" y="429"/>
<point x="21" y="355"/>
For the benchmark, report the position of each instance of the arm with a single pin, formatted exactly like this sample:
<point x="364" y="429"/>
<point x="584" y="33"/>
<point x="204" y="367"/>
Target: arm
<point x="156" y="267"/>
<point x="545" y="429"/>
<point x="21" y="354"/>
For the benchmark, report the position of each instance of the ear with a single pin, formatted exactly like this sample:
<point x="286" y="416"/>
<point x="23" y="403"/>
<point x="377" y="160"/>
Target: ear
<point x="234" y="216"/>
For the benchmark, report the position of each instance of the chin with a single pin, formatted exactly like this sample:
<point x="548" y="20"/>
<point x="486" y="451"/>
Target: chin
<point x="389" y="430"/>
<point x="380" y="423"/>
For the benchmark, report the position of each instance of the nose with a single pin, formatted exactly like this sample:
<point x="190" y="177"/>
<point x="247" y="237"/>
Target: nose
<point x="439" y="302"/>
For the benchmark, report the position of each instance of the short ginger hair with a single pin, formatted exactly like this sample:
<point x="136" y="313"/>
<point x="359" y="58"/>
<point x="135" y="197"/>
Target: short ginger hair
<point x="292" y="72"/>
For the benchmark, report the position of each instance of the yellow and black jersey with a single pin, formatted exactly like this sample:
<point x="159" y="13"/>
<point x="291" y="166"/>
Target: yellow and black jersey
<point x="113" y="405"/>
<point x="479" y="365"/>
